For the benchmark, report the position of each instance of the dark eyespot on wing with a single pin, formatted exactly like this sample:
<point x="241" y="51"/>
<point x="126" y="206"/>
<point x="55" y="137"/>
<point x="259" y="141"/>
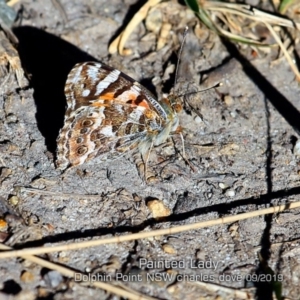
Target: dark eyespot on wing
<point x="87" y="123"/>
<point x="81" y="150"/>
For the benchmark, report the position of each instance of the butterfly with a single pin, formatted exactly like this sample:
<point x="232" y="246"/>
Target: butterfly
<point x="109" y="114"/>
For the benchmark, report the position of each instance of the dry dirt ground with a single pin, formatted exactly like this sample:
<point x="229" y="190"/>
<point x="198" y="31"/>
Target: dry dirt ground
<point x="242" y="150"/>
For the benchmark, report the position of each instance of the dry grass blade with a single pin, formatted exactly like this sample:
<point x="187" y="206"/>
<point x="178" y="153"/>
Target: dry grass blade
<point x="285" y="52"/>
<point x="19" y="190"/>
<point x="154" y="233"/>
<point x="71" y="274"/>
<point x="249" y="12"/>
<point x="9" y="58"/>
<point x="237" y="21"/>
<point x="119" y="42"/>
<point x="12" y="2"/>
<point x="226" y="11"/>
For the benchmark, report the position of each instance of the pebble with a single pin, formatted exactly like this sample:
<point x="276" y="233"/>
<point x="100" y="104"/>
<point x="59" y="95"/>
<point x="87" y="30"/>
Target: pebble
<point x="53" y="279"/>
<point x="27" y="277"/>
<point x="198" y="120"/>
<point x="158" y="209"/>
<point x="168" y="249"/>
<point x="230" y="193"/>
<point x="297" y="149"/>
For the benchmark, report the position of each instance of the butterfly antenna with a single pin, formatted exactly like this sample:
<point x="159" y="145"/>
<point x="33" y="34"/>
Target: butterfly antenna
<point x="206" y="89"/>
<point x="179" y="55"/>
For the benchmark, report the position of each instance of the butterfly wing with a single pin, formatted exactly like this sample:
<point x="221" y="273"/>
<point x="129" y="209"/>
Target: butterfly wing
<point x="108" y="114"/>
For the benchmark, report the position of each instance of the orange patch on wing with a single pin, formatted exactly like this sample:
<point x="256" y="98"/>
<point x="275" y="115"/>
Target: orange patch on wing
<point x="144" y="103"/>
<point x="107" y="96"/>
<point x="97" y="104"/>
<point x="132" y="99"/>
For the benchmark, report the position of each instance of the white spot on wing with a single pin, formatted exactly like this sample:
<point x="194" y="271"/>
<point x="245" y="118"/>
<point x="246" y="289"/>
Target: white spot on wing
<point x="109" y="79"/>
<point x="93" y="72"/>
<point x="85" y="93"/>
<point x="76" y="76"/>
<point x="107" y="131"/>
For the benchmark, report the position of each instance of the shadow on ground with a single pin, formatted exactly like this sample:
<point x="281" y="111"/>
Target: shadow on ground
<point x="47" y="60"/>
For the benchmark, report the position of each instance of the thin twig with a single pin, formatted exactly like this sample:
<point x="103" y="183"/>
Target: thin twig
<point x="71" y="274"/>
<point x="56" y="194"/>
<point x="285" y="52"/>
<point x="153" y="233"/>
<point x="119" y="42"/>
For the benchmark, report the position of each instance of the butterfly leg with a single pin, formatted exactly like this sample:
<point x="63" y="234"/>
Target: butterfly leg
<point x="183" y="153"/>
<point x="179" y="131"/>
<point x="146" y="160"/>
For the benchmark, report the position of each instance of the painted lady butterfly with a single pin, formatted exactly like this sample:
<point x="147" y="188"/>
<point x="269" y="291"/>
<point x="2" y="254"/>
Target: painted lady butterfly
<point x="109" y="114"/>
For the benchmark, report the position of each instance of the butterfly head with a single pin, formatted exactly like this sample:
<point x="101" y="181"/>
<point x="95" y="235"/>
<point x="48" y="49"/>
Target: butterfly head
<point x="172" y="104"/>
<point x="175" y="102"/>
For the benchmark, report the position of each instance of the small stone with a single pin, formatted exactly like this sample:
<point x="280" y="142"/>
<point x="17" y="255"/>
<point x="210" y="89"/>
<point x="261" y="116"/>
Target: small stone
<point x="171" y="289"/>
<point x="3" y="225"/>
<point x="228" y="100"/>
<point x="27" y="277"/>
<point x="223" y="186"/>
<point x="158" y="209"/>
<point x="13" y="200"/>
<point x="230" y="193"/>
<point x="297" y="149"/>
<point x="168" y="249"/>
<point x="53" y="279"/>
<point x="233" y="114"/>
<point x="198" y="120"/>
